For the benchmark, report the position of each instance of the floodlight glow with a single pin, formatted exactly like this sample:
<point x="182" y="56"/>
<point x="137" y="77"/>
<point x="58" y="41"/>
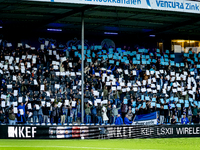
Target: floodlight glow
<point x="58" y="30"/>
<point x="112" y="33"/>
<point x="152" y="35"/>
<point x="1" y="27"/>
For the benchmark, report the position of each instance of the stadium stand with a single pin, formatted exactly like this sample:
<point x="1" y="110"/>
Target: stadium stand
<point x="44" y="85"/>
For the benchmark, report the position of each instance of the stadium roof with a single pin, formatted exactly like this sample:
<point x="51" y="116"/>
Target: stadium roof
<point x="22" y="15"/>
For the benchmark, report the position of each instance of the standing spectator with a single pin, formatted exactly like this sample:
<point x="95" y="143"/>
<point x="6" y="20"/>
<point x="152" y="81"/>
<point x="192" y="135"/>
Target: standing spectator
<point x="40" y="115"/>
<point x="74" y="109"/>
<point x="88" y="112"/>
<point x="55" y="113"/>
<point x="184" y="120"/>
<point x="45" y="111"/>
<point x="196" y="119"/>
<point x="19" y="118"/>
<point x="12" y="116"/>
<point x="69" y="114"/>
<point x="94" y="114"/>
<point x="22" y="107"/>
<point x="2" y="117"/>
<point x="28" y="117"/>
<point x="130" y="114"/>
<point x="99" y="113"/>
<point x="63" y="114"/>
<point x="109" y="113"/>
<point x="194" y="112"/>
<point x="104" y="115"/>
<point x="162" y="113"/>
<point x="114" y="113"/>
<point x="190" y="114"/>
<point x="35" y="114"/>
<point x="124" y="109"/>
<point x="105" y="93"/>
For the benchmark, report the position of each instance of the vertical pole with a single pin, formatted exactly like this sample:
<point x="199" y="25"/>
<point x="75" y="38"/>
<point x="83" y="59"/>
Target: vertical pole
<point x="82" y="69"/>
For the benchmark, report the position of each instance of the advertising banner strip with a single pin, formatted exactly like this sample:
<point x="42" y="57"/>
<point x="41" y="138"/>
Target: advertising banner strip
<point x="98" y="132"/>
<point x="166" y="5"/>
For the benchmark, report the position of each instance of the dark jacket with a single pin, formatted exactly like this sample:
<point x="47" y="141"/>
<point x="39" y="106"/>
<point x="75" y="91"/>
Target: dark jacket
<point x="55" y="112"/>
<point x="2" y="117"/>
<point x="99" y="112"/>
<point x="45" y="111"/>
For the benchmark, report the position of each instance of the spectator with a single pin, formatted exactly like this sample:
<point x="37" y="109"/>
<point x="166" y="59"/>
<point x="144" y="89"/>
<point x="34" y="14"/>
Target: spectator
<point x="12" y="116"/>
<point x="99" y="113"/>
<point x="63" y="114"/>
<point x="173" y="120"/>
<point x="184" y="120"/>
<point x="2" y="117"/>
<point x="35" y="114"/>
<point x="158" y="120"/>
<point x="196" y="119"/>
<point x="119" y="120"/>
<point x="130" y="114"/>
<point x="109" y="113"/>
<point x="162" y="112"/>
<point x="88" y="112"/>
<point x="104" y="115"/>
<point x="124" y="109"/>
<point x="69" y="114"/>
<point x="94" y="114"/>
<point x="74" y="109"/>
<point x="55" y="113"/>
<point x="190" y="114"/>
<point x="194" y="112"/>
<point x="127" y="121"/>
<point x="45" y="111"/>
<point x="114" y="113"/>
<point x="40" y="115"/>
<point x="22" y="110"/>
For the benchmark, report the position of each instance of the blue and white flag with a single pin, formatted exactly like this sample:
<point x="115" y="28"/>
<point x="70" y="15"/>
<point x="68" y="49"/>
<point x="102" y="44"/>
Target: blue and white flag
<point x="146" y="119"/>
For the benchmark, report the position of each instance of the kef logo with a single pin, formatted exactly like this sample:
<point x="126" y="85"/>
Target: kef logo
<point x="21" y="132"/>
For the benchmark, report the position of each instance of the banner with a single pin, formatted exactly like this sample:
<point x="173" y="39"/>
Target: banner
<point x="98" y="132"/>
<point x="167" y="5"/>
<point x="146" y="119"/>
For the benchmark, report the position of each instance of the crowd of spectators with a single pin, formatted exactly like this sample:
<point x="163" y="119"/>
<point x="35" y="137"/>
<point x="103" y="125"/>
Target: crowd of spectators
<point x="44" y="85"/>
